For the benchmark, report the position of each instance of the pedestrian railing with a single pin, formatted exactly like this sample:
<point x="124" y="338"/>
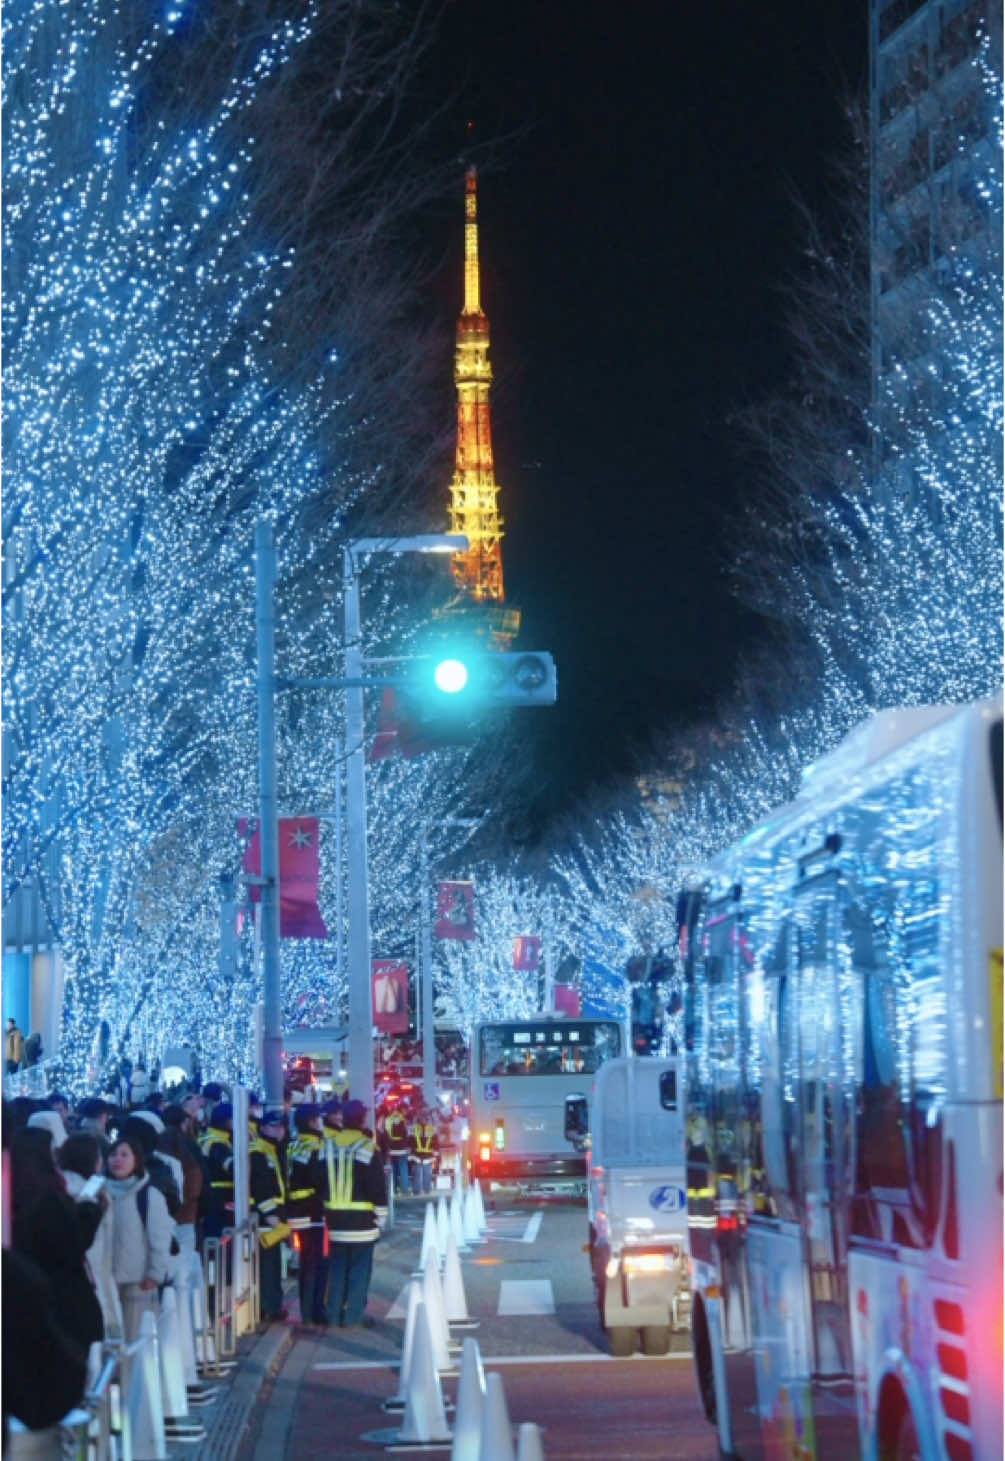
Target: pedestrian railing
<point x="31" y="1080"/>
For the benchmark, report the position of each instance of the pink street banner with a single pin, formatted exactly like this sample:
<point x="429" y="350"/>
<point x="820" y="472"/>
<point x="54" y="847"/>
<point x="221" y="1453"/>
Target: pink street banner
<point x="390" y="995"/>
<point x="299" y="870"/>
<point x="455" y="911"/>
<point x="526" y="951"/>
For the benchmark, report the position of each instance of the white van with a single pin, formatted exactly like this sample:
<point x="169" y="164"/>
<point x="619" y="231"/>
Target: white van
<point x="638" y="1204"/>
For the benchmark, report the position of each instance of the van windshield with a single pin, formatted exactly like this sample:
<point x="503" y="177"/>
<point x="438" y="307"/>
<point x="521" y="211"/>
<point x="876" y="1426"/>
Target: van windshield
<point x="554" y="1047"/>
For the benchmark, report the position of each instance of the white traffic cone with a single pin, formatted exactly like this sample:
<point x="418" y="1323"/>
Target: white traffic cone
<point x="425" y="1418"/>
<point x="470" y="1218"/>
<point x="186" y="1331"/>
<point x="398" y="1399"/>
<point x="442" y="1226"/>
<point x="432" y="1297"/>
<point x="428" y="1230"/>
<point x="497" y="1432"/>
<point x="430" y="1255"/>
<point x="528" y="1442"/>
<point x="455" y="1305"/>
<point x="146" y="1408"/>
<point x="205" y="1350"/>
<point x="457" y="1223"/>
<point x="480" y="1207"/>
<point x="470" y="1399"/>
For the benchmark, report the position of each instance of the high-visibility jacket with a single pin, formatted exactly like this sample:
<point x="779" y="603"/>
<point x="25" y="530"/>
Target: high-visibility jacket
<point x="355" y="1189"/>
<point x="396" y="1130"/>
<point x="424" y="1140"/>
<point x="305" y="1179"/>
<point x="217" y="1148"/>
<point x="267" y="1189"/>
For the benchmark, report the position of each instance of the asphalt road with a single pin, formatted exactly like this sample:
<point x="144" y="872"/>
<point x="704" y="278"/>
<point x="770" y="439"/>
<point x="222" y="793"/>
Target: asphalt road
<point x="529" y="1287"/>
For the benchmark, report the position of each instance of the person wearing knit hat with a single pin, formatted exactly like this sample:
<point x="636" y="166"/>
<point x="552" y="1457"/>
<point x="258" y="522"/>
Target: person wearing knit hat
<point x="305" y="1183"/>
<point x="217" y="1147"/>
<point x="267" y="1194"/>
<point x="165" y="1174"/>
<point x="52" y="1122"/>
<point x="355" y="1204"/>
<point x="331" y="1114"/>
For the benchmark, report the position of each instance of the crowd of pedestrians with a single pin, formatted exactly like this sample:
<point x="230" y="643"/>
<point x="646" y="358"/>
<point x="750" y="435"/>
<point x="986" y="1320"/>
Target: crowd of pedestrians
<point x="106" y="1205"/>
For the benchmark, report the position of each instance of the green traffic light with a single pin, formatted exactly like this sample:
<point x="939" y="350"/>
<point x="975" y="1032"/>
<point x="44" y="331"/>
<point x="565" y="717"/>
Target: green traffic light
<point x="451" y="676"/>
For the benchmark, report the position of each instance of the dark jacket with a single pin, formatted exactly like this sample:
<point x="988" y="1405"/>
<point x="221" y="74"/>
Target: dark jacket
<point x="218" y="1190"/>
<point x="267" y="1188"/>
<point x="355" y="1197"/>
<point x="55" y="1233"/>
<point x="305" y="1179"/>
<point x="44" y="1370"/>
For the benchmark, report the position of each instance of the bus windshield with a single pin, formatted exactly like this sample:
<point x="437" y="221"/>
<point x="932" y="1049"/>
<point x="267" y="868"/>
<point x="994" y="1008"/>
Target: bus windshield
<point x="549" y="1047"/>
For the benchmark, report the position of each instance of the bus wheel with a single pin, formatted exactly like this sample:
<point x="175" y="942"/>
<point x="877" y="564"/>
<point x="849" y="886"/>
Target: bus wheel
<point x="908" y="1445"/>
<point x="655" y="1338"/>
<point x="703" y="1362"/>
<point x="622" y="1341"/>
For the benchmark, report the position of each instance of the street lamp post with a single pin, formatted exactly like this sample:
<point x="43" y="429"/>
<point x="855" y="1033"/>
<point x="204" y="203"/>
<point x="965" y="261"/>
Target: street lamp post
<point x="357" y="901"/>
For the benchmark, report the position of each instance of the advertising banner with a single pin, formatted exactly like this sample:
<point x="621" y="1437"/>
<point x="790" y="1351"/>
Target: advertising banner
<point x="390" y="995"/>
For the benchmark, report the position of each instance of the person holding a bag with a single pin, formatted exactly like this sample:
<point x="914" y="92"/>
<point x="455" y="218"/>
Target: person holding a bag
<point x="268" y="1198"/>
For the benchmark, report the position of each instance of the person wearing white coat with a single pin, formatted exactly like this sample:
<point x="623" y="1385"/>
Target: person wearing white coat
<point x="80" y="1160"/>
<point x="141" y="1248"/>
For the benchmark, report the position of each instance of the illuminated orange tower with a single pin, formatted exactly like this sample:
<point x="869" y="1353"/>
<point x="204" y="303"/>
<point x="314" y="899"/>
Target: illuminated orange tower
<point x="474" y="492"/>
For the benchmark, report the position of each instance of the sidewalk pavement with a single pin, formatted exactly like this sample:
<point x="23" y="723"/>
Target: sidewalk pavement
<point x="253" y="1417"/>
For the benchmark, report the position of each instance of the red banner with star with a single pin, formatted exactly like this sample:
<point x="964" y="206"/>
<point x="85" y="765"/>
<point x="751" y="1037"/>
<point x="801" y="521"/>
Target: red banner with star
<point x="455" y="911"/>
<point x="299" y="871"/>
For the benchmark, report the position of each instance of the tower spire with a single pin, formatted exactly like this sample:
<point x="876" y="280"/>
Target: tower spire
<point x="474" y="492"/>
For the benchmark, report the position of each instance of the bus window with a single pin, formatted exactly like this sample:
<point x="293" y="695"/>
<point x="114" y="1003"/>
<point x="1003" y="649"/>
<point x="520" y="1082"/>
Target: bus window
<point x="778" y="1114"/>
<point x="668" y="1090"/>
<point x="547" y="1047"/>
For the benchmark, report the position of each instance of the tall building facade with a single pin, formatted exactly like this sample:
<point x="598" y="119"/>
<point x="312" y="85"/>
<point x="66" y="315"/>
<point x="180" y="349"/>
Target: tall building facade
<point x="934" y="145"/>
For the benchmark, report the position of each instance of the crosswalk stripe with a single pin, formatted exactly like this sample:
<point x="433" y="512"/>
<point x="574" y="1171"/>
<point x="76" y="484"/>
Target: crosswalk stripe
<point x="526" y="1296"/>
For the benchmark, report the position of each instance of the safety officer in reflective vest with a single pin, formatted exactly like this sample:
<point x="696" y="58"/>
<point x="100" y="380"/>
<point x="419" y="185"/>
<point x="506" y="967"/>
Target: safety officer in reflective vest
<point x="355" y="1211"/>
<point x="267" y="1197"/>
<point x="217" y="1147"/>
<point x="396" y="1132"/>
<point x="305" y="1187"/>
<point x="424" y="1143"/>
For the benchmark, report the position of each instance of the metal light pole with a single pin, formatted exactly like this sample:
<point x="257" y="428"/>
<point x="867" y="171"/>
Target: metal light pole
<point x="268" y="825"/>
<point x="357" y="901"/>
<point x="426" y="947"/>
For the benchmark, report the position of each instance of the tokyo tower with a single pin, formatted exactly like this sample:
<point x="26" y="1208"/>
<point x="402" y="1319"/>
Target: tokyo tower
<point x="474" y="492"/>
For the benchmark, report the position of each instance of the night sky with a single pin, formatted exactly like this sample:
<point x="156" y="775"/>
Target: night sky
<point x="636" y="230"/>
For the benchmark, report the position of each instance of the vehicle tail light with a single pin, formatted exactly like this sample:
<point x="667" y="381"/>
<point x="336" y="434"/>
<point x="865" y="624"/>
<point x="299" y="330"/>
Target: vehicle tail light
<point x="500" y="1135"/>
<point x="485" y="1153"/>
<point x="647" y="1262"/>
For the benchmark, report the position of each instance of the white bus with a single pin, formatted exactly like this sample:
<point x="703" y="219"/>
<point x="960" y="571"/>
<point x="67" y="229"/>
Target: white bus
<point x="522" y="1071"/>
<point x="843" y="1036"/>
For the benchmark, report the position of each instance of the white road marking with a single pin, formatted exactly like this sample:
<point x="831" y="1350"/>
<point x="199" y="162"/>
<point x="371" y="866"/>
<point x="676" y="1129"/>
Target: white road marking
<point x="529" y="1234"/>
<point x="526" y="1296"/>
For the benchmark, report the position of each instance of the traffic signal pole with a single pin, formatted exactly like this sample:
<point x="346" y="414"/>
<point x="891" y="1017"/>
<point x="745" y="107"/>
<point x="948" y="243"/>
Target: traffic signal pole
<point x="268" y="823"/>
<point x="357" y="900"/>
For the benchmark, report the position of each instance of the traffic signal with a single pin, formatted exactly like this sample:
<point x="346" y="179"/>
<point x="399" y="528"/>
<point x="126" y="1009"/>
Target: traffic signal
<point x="468" y="679"/>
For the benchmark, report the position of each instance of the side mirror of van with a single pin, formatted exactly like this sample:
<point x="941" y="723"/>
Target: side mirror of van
<point x="577" y="1121"/>
<point x="668" y="1090"/>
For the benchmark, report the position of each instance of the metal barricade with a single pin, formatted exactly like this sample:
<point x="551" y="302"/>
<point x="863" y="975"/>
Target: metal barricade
<point x="218" y="1314"/>
<point x="232" y="1303"/>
